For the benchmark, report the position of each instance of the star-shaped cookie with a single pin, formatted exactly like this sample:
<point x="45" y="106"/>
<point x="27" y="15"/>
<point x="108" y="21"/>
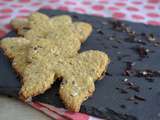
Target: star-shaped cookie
<point x="47" y="50"/>
<point x="16" y="48"/>
<point x="49" y="61"/>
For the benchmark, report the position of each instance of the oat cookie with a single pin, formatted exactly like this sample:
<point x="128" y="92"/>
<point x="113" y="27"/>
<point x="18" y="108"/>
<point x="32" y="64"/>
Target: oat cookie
<point x="78" y="72"/>
<point x="20" y="25"/>
<point x="38" y="25"/>
<point x="20" y="61"/>
<point x="16" y="49"/>
<point x="49" y="50"/>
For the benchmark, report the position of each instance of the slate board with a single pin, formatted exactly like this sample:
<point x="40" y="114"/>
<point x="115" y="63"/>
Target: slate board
<point x="108" y="101"/>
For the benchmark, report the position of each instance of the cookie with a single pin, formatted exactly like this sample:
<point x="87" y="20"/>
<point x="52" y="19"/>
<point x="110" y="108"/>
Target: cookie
<point x="20" y="62"/>
<point x="18" y="23"/>
<point x="84" y="30"/>
<point x="61" y="42"/>
<point x="21" y="25"/>
<point x="38" y="25"/>
<point x="16" y="49"/>
<point x="49" y="50"/>
<point x="78" y="81"/>
<point x="64" y="19"/>
<point x="79" y="71"/>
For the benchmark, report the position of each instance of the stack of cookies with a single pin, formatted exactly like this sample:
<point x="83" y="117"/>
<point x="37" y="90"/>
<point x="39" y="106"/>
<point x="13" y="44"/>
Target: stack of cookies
<point x="47" y="49"/>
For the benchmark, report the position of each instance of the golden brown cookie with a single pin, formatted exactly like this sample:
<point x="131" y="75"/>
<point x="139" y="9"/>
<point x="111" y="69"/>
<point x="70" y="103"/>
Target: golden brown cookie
<point x="78" y="72"/>
<point x="16" y="49"/>
<point x="78" y="81"/>
<point x="61" y="42"/>
<point x="84" y="30"/>
<point x="38" y="25"/>
<point x="20" y="62"/>
<point x="50" y="50"/>
<point x="65" y="21"/>
<point x="21" y="25"/>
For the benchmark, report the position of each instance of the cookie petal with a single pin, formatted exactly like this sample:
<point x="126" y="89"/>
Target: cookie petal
<point x="37" y="79"/>
<point x="83" y="29"/>
<point x="16" y="49"/>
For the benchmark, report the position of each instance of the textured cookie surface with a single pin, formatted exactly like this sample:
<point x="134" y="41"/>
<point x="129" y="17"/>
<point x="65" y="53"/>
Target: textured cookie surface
<point x="35" y="26"/>
<point x="39" y="25"/>
<point x="78" y="72"/>
<point x="16" y="49"/>
<point x="49" y="50"/>
<point x="62" y="41"/>
<point x="18" y="23"/>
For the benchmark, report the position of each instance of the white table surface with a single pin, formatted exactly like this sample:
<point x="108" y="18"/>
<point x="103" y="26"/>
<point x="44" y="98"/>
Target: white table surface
<point x="11" y="109"/>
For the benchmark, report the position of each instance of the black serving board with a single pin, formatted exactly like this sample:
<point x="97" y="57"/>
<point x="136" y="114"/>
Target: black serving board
<point x="109" y="101"/>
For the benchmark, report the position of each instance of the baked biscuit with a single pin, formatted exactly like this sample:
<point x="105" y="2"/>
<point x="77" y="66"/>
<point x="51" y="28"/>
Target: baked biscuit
<point x="78" y="72"/>
<point x="18" y="23"/>
<point x="79" y="79"/>
<point x="49" y="50"/>
<point x="38" y="24"/>
<point x="20" y="62"/>
<point x="84" y="30"/>
<point x="61" y="42"/>
<point x="16" y="49"/>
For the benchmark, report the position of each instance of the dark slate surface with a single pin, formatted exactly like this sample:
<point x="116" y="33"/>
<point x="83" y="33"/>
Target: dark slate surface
<point x="110" y="100"/>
